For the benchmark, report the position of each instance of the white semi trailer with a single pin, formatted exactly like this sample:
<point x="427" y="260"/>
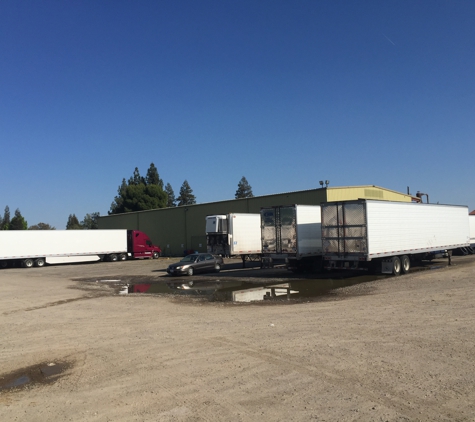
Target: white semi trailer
<point x="39" y="247"/>
<point x="292" y="233"/>
<point x="387" y="237"/>
<point x="234" y="234"/>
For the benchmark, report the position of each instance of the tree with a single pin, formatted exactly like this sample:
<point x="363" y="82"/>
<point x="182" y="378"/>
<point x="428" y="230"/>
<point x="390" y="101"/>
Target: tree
<point x="18" y="222"/>
<point x="73" y="223"/>
<point x="139" y="194"/>
<point x="244" y="189"/>
<point x="136" y="179"/>
<point x="152" y="177"/>
<point x="41" y="226"/>
<point x="186" y="195"/>
<point x="90" y="221"/>
<point x="6" y="219"/>
<point x="171" y="202"/>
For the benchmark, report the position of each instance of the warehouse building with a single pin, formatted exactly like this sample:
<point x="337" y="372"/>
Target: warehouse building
<point x="179" y="229"/>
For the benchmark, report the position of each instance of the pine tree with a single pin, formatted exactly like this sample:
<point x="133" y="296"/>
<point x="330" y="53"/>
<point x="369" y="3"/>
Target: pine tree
<point x="18" y="222"/>
<point x="186" y="195"/>
<point x="6" y="219"/>
<point x="136" y="179"/>
<point x="152" y="177"/>
<point x="73" y="223"/>
<point x="90" y="221"/>
<point x="244" y="189"/>
<point x="171" y="202"/>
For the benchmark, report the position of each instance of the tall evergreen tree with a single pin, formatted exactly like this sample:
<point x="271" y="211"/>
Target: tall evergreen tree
<point x="186" y="196"/>
<point x="244" y="189"/>
<point x="6" y="219"/>
<point x="171" y="202"/>
<point x="152" y="177"/>
<point x="90" y="221"/>
<point x="136" y="179"/>
<point x="138" y="194"/>
<point x="73" y="223"/>
<point x="18" y="222"/>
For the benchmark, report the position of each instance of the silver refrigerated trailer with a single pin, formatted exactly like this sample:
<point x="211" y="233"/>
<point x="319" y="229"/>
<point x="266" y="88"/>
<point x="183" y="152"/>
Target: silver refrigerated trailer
<point x="387" y="237"/>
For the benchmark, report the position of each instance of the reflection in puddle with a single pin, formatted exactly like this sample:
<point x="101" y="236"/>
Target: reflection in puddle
<point x="244" y="291"/>
<point x="37" y="374"/>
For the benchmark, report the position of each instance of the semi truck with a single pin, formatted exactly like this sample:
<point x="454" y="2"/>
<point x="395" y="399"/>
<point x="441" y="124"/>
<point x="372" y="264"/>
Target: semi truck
<point x="292" y="233"/>
<point x="30" y="248"/>
<point x="388" y="237"/>
<point x="234" y="234"/>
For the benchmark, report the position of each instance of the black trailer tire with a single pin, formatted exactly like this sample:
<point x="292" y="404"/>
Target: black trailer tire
<point x="405" y="264"/>
<point x="39" y="262"/>
<point x="27" y="263"/>
<point x="396" y="265"/>
<point x="190" y="271"/>
<point x="3" y="264"/>
<point x="113" y="257"/>
<point x="122" y="257"/>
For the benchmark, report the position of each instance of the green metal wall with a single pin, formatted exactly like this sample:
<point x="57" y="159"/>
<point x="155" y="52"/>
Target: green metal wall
<point x="181" y="228"/>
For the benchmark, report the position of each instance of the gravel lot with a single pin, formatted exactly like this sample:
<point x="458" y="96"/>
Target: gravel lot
<point x="392" y="349"/>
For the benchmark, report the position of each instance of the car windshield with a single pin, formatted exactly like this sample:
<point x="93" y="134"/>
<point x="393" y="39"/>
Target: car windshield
<point x="189" y="258"/>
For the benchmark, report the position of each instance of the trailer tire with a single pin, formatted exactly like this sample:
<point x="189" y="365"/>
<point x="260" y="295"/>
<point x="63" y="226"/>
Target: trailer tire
<point x="405" y="264"/>
<point x="27" y="263"/>
<point x="113" y="257"/>
<point x="396" y="265"/>
<point x="40" y="262"/>
<point x="122" y="257"/>
<point x="3" y="264"/>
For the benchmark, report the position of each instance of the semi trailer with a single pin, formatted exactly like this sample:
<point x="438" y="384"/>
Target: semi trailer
<point x="292" y="233"/>
<point x="30" y="248"/>
<point x="234" y="234"/>
<point x="388" y="237"/>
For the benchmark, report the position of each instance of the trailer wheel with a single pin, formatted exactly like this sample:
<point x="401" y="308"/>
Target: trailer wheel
<point x="27" y="263"/>
<point x="122" y="257"/>
<point x="396" y="265"/>
<point x="405" y="264"/>
<point x="40" y="262"/>
<point x="3" y="264"/>
<point x="113" y="257"/>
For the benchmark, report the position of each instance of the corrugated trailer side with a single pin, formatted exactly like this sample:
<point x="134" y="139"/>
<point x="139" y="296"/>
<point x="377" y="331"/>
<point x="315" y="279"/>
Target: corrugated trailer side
<point x="472" y="230"/>
<point x="398" y="227"/>
<point x="388" y="236"/>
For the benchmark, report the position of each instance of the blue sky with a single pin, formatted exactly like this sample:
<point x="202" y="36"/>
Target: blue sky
<point x="285" y="93"/>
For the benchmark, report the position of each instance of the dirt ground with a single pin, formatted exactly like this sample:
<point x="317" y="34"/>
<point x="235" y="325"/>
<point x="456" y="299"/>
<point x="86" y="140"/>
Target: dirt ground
<point x="392" y="349"/>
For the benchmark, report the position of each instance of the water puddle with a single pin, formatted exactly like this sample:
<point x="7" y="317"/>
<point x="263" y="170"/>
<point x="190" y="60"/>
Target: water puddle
<point x="43" y="373"/>
<point x="245" y="291"/>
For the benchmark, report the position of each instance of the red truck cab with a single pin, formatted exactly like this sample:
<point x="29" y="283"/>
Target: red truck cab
<point x="139" y="245"/>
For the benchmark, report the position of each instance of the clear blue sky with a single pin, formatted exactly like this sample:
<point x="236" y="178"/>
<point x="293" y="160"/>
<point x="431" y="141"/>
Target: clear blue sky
<point x="285" y="93"/>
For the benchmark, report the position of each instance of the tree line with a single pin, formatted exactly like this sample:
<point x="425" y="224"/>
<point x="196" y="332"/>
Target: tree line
<point x="145" y="193"/>
<point x="135" y="194"/>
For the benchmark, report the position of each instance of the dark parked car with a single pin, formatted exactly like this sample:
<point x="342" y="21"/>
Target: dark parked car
<point x="196" y="262"/>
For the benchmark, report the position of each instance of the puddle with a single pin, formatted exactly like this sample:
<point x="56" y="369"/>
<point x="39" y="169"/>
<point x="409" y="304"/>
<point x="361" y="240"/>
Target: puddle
<point x="44" y="373"/>
<point x="245" y="291"/>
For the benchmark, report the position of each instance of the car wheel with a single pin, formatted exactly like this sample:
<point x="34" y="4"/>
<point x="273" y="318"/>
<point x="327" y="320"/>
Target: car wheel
<point x="155" y="255"/>
<point x="217" y="268"/>
<point x="190" y="271"/>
